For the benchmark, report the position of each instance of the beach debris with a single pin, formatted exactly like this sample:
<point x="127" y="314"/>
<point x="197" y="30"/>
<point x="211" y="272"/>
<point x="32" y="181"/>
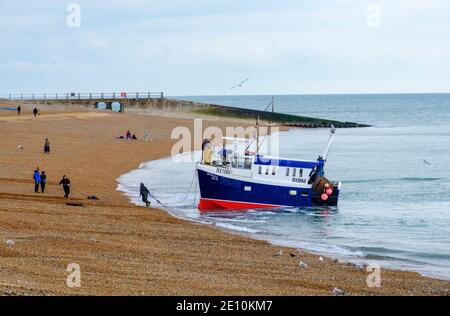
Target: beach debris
<point x="75" y="204"/>
<point x="92" y="197"/>
<point x="278" y="254"/>
<point x="302" y="265"/>
<point x="10" y="243"/>
<point x="320" y="259"/>
<point x="20" y="147"/>
<point x="292" y="255"/>
<point x="92" y="239"/>
<point x="338" y="292"/>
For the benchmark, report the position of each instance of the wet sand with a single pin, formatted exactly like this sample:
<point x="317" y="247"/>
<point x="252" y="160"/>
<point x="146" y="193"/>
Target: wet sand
<point x="127" y="250"/>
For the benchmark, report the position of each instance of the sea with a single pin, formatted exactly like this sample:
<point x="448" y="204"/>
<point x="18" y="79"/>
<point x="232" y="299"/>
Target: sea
<point x="394" y="207"/>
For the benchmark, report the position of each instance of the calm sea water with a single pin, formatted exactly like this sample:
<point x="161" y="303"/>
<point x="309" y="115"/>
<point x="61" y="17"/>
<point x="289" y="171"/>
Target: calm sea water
<point x="394" y="207"/>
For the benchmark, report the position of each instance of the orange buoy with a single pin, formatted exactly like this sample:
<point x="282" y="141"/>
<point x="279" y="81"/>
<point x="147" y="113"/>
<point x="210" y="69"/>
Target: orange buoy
<point x="329" y="191"/>
<point x="324" y="197"/>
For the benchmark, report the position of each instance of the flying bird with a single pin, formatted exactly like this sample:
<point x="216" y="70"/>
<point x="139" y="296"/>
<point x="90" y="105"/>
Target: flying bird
<point x="239" y="85"/>
<point x="426" y="162"/>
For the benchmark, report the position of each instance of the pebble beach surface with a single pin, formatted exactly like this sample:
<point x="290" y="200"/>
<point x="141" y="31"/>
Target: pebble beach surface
<point x="123" y="249"/>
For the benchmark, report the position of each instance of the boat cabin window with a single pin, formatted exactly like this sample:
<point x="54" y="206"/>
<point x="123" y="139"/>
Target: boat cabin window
<point x="294" y="173"/>
<point x="260" y="170"/>
<point x="267" y="171"/>
<point x="274" y="171"/>
<point x="241" y="163"/>
<point x="287" y="172"/>
<point x="300" y="173"/>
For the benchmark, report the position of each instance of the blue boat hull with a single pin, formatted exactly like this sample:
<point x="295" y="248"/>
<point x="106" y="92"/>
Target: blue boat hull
<point x="218" y="192"/>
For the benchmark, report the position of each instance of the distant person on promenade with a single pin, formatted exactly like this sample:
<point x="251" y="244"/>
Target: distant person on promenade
<point x="35" y="112"/>
<point x="47" y="146"/>
<point x="19" y="109"/>
<point x="144" y="193"/>
<point x="37" y="180"/>
<point x="65" y="183"/>
<point x="43" y="181"/>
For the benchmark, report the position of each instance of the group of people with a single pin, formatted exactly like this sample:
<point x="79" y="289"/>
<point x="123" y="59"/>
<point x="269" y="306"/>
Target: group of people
<point x="35" y="111"/>
<point x="130" y="136"/>
<point x="40" y="181"/>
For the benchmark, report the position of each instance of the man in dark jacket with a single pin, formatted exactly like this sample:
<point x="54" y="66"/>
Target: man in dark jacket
<point x="47" y="146"/>
<point x="65" y="182"/>
<point x="43" y="181"/>
<point x="35" y="112"/>
<point x="37" y="180"/>
<point x="19" y="109"/>
<point x="144" y="193"/>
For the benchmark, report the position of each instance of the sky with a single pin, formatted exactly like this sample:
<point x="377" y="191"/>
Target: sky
<point x="204" y="47"/>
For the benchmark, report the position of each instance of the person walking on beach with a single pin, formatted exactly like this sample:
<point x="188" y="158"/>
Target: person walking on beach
<point x="37" y="180"/>
<point x="35" y="112"/>
<point x="144" y="193"/>
<point x="47" y="147"/>
<point x="65" y="183"/>
<point x="43" y="181"/>
<point x="19" y="109"/>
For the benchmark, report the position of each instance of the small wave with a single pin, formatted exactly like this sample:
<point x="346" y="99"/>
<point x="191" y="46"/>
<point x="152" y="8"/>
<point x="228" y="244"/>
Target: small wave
<point x="404" y="179"/>
<point x="238" y="228"/>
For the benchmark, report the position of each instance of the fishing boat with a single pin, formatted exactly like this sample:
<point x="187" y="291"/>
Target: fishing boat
<point x="234" y="179"/>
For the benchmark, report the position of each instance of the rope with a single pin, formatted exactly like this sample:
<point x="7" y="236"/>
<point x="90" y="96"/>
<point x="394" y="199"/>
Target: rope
<point x="185" y="197"/>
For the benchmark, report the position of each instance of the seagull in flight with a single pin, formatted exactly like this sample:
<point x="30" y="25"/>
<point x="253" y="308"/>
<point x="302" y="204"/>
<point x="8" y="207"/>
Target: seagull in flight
<point x="426" y="162"/>
<point x="239" y="84"/>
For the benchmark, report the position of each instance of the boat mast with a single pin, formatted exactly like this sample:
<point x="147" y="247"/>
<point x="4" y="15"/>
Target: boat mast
<point x="257" y="136"/>
<point x="330" y="140"/>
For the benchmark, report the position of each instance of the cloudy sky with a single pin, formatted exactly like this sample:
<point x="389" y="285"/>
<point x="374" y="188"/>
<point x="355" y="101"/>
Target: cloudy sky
<point x="203" y="47"/>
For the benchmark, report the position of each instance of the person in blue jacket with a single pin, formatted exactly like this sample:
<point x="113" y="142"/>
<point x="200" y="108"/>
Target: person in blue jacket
<point x="37" y="180"/>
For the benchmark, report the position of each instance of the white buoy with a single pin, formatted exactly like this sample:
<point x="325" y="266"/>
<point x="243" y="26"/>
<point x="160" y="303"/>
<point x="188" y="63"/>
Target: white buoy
<point x="10" y="243"/>
<point x="338" y="292"/>
<point x="278" y="254"/>
<point x="302" y="265"/>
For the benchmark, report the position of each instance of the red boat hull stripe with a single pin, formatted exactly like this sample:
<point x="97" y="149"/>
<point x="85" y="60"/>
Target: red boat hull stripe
<point x="217" y="205"/>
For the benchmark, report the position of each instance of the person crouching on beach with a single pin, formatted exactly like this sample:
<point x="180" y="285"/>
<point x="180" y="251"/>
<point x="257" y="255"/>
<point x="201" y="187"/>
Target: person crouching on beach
<point x="37" y="180"/>
<point x="47" y="147"/>
<point x="19" y="109"/>
<point x="144" y="193"/>
<point x="43" y="181"/>
<point x="65" y="183"/>
<point x="35" y="112"/>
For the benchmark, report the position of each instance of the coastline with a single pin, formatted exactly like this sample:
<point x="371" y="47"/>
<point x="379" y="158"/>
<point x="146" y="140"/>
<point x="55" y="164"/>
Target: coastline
<point x="128" y="250"/>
